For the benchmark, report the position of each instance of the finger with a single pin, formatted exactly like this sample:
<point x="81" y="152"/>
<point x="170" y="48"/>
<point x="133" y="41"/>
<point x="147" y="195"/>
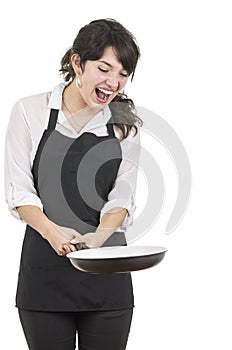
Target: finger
<point x="74" y="240"/>
<point x="60" y="251"/>
<point x="66" y="248"/>
<point x="73" y="248"/>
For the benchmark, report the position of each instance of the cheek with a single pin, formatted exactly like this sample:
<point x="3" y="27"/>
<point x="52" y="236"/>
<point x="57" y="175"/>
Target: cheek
<point x="87" y="88"/>
<point x="89" y="83"/>
<point x="123" y="83"/>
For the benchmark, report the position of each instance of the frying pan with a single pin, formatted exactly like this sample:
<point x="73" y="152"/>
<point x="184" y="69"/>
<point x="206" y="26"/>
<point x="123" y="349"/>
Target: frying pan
<point x="116" y="259"/>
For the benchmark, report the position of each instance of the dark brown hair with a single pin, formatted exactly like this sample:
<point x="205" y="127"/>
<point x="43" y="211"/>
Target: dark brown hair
<point x="90" y="44"/>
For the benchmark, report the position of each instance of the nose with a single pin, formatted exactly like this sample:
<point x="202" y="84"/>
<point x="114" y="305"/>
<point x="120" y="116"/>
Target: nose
<point x="113" y="82"/>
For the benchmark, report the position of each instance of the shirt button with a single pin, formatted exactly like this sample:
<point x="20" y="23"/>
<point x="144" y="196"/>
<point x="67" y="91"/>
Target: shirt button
<point x="11" y="184"/>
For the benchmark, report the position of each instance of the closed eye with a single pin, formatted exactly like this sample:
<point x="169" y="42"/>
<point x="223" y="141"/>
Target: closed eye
<point x="125" y="75"/>
<point x="103" y="70"/>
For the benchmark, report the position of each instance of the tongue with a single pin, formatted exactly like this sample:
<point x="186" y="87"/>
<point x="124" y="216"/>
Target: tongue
<point x="100" y="94"/>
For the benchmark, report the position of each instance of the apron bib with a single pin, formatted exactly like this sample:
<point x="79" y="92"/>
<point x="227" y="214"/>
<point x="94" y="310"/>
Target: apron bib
<point x="73" y="177"/>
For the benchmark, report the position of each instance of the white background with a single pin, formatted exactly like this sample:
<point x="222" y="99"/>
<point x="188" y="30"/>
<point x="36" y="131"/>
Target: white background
<point x="185" y="76"/>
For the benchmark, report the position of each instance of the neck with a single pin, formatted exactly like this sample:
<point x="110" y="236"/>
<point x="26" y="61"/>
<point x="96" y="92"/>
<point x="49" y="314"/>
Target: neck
<point x="75" y="109"/>
<point x="72" y="99"/>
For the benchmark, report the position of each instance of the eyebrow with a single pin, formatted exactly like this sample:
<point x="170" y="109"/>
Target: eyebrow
<point x="107" y="63"/>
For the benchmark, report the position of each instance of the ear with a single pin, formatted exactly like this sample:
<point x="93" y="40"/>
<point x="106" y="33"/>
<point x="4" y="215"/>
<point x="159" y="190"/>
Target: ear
<point x="75" y="60"/>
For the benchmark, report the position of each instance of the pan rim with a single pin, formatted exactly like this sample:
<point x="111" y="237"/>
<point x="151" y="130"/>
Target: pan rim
<point x="121" y="258"/>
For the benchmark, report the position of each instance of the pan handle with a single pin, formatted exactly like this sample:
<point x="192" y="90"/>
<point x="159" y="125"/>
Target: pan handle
<point x="81" y="245"/>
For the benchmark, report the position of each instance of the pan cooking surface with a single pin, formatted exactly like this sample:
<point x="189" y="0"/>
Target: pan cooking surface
<point x="117" y="252"/>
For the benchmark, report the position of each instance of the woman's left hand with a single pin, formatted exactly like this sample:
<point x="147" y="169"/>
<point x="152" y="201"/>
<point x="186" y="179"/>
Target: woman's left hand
<point x="91" y="239"/>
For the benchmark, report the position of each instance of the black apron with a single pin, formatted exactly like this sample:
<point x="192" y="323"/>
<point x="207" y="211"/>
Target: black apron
<point x="73" y="178"/>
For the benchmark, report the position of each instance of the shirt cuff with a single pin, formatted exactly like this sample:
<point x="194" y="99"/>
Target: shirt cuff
<point x="22" y="199"/>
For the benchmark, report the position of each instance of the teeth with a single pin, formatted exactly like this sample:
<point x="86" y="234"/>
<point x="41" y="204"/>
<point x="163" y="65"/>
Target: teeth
<point x="106" y="92"/>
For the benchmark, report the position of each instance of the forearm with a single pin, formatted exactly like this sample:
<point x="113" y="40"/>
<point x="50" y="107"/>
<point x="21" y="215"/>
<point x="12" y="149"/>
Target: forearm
<point x="35" y="218"/>
<point x="110" y="221"/>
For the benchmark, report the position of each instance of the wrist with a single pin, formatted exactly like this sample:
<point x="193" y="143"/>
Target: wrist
<point x="48" y="230"/>
<point x="101" y="236"/>
<point x="110" y="221"/>
<point x="104" y="233"/>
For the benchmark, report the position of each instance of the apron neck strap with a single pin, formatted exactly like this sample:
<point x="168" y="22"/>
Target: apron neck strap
<point x="110" y="129"/>
<point x="53" y="119"/>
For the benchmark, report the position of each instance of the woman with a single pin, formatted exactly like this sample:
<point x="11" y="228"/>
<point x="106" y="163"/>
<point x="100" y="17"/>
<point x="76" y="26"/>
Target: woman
<point x="71" y="170"/>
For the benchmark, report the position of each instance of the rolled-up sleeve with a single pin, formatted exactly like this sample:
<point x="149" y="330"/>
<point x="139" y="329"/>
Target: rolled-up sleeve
<point x="19" y="185"/>
<point x="123" y="192"/>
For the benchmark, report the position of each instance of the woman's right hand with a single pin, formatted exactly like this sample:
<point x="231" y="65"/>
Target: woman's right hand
<point x="57" y="236"/>
<point x="60" y="239"/>
<point x="60" y="243"/>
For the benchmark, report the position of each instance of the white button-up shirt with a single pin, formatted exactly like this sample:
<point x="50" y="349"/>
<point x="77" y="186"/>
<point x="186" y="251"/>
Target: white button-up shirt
<point x="29" y="118"/>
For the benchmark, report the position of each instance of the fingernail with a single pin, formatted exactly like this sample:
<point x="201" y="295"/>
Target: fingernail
<point x="73" y="241"/>
<point x="60" y="252"/>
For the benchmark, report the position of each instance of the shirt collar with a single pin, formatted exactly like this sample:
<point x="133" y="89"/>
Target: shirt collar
<point x="55" y="102"/>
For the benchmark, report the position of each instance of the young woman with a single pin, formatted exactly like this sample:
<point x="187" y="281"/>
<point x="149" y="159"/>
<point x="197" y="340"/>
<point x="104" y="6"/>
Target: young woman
<point x="71" y="168"/>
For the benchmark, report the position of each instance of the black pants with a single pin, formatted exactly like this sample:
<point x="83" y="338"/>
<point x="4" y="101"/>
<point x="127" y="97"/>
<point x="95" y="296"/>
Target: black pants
<point x="97" y="330"/>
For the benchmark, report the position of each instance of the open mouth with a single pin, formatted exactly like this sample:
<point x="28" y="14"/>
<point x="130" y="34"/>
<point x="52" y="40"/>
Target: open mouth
<point x="103" y="95"/>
